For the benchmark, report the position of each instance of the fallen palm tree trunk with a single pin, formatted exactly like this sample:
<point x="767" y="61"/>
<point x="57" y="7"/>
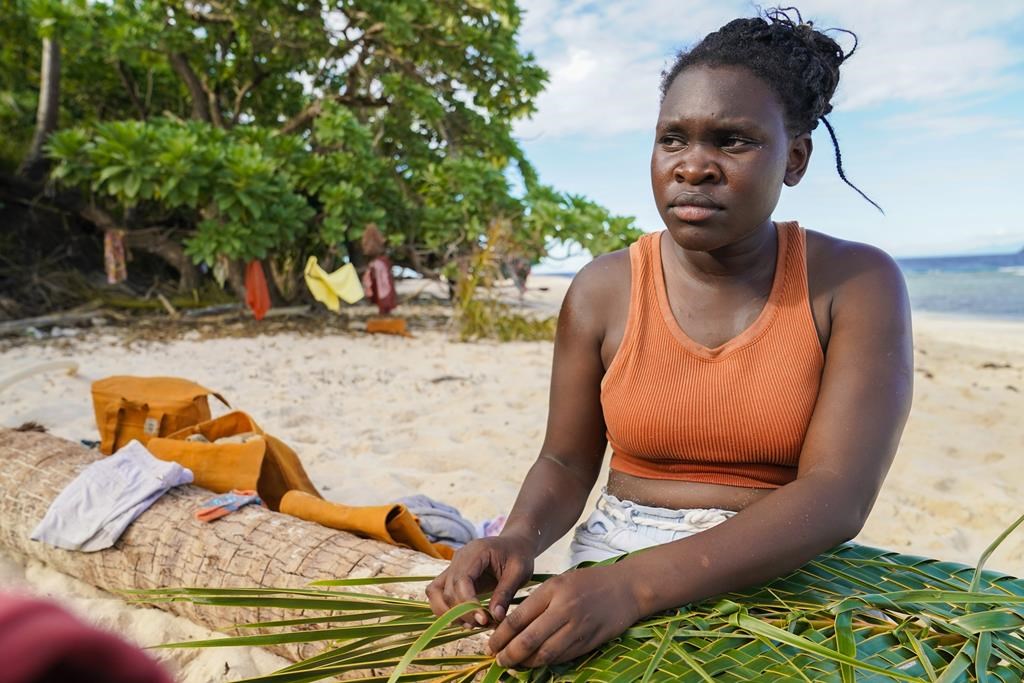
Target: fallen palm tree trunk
<point x="167" y="547"/>
<point x="854" y="613"/>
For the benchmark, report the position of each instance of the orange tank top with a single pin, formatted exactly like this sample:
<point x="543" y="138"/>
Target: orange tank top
<point x="736" y="414"/>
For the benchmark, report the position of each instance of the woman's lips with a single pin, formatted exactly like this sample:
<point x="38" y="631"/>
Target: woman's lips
<point x="693" y="214"/>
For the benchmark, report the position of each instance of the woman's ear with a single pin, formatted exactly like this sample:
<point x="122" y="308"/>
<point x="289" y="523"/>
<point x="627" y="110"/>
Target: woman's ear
<point x="799" y="155"/>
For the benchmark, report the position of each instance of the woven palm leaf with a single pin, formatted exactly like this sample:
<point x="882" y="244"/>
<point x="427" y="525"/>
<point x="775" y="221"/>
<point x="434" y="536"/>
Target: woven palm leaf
<point x="854" y="613"/>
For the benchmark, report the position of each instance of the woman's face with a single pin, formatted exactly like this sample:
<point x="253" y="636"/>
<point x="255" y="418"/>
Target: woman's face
<point x="721" y="154"/>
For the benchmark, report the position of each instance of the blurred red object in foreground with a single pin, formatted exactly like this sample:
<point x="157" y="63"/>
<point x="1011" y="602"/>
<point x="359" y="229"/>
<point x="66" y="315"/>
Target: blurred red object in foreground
<point x="42" y="643"/>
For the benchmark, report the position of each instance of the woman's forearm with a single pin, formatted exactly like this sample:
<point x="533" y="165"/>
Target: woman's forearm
<point x="550" y="501"/>
<point x="771" y="537"/>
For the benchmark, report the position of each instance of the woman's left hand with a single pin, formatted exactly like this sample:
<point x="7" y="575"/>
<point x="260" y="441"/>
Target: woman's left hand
<point x="565" y="617"/>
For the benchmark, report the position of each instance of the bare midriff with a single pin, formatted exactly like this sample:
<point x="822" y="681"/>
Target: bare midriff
<point x="681" y="495"/>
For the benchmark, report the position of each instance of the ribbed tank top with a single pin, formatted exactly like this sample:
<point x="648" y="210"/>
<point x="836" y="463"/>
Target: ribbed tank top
<point x="736" y="414"/>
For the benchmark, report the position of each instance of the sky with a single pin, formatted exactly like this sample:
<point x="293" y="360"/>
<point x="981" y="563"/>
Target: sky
<point x="929" y="115"/>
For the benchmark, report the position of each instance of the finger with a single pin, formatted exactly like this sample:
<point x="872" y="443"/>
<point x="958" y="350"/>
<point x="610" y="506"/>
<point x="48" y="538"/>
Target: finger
<point x="464" y="591"/>
<point x="518" y="619"/>
<point x="568" y="642"/>
<point x="459" y="584"/>
<point x="533" y="640"/>
<point x="435" y="594"/>
<point x="511" y="579"/>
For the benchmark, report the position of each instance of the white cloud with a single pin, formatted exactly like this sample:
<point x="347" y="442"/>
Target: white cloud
<point x="605" y="58"/>
<point x="603" y="61"/>
<point x="925" y="52"/>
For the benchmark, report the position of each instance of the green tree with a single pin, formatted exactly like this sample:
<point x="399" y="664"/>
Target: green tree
<point x="228" y="130"/>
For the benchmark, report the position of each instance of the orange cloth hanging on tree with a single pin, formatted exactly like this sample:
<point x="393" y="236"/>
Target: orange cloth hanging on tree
<point x="257" y="296"/>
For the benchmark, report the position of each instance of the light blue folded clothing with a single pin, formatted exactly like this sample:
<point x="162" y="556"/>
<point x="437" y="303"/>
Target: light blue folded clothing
<point x="93" y="511"/>
<point x="440" y="523"/>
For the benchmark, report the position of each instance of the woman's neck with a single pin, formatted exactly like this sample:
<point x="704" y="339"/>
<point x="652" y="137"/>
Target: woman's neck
<point x="751" y="258"/>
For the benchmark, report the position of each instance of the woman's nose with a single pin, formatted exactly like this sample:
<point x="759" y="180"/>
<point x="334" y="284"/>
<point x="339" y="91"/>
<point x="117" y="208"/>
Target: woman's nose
<point x="696" y="166"/>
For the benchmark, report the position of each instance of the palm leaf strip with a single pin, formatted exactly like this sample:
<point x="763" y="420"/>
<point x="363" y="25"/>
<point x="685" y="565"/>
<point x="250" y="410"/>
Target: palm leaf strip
<point x="855" y="613"/>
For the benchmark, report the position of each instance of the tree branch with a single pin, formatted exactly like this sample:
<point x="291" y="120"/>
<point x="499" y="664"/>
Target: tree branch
<point x="243" y="91"/>
<point x="307" y="115"/>
<point x="199" y="95"/>
<point x="129" y="85"/>
<point x="201" y="18"/>
<point x="154" y="240"/>
<point x="98" y="217"/>
<point x="303" y="118"/>
<point x="214" y="98"/>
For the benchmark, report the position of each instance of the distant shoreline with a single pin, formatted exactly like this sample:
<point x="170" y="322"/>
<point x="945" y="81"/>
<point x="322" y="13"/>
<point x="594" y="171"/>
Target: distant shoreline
<point x="981" y="286"/>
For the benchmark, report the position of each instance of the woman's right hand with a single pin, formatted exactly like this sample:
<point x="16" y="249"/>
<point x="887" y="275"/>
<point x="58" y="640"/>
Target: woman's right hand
<point x="500" y="563"/>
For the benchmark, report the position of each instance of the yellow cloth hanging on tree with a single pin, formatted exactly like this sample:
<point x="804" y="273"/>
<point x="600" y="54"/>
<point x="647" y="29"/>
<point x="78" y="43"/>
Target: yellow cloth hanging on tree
<point x="328" y="288"/>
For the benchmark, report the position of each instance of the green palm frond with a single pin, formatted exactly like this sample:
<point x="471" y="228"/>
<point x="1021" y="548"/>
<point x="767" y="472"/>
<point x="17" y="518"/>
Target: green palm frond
<point x="853" y="614"/>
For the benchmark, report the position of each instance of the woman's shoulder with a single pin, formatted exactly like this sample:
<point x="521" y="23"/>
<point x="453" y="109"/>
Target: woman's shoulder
<point x="607" y="276"/>
<point x="600" y="291"/>
<point x="832" y="254"/>
<point x="850" y="273"/>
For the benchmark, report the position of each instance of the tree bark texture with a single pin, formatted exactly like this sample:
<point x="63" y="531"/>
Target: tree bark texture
<point x="198" y="94"/>
<point x="167" y="547"/>
<point x="236" y="278"/>
<point x="35" y="164"/>
<point x="157" y="243"/>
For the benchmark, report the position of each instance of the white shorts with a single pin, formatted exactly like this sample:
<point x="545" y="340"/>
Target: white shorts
<point x="617" y="527"/>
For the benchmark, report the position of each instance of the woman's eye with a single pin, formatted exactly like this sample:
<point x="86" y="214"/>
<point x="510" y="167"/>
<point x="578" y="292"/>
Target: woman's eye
<point x="735" y="141"/>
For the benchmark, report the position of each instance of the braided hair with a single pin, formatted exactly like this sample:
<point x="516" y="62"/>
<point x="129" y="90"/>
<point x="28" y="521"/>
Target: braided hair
<point x="798" y="62"/>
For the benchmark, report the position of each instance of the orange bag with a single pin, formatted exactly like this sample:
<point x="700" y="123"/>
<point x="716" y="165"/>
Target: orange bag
<point x="263" y="462"/>
<point x="259" y="461"/>
<point x="145" y="407"/>
<point x="392" y="524"/>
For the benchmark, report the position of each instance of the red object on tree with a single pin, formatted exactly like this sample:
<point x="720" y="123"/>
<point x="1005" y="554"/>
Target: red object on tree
<point x="379" y="284"/>
<point x="257" y="296"/>
<point x="42" y="643"/>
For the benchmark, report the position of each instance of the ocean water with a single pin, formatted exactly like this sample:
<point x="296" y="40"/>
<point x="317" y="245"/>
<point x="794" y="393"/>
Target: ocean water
<point x="989" y="285"/>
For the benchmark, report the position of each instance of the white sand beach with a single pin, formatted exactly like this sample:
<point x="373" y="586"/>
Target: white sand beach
<point x="375" y="418"/>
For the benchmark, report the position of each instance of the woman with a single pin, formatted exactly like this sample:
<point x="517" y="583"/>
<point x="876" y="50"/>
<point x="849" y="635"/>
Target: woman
<point x="751" y="378"/>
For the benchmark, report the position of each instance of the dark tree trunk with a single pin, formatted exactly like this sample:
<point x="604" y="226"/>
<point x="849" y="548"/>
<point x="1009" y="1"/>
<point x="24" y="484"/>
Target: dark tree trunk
<point x="152" y="240"/>
<point x="284" y="279"/>
<point x="236" y="278"/>
<point x="35" y="165"/>
<point x="156" y="242"/>
<point x="200" y="98"/>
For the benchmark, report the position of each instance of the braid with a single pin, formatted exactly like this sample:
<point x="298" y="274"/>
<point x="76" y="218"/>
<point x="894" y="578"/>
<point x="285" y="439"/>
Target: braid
<point x="798" y="62"/>
<point x="839" y="166"/>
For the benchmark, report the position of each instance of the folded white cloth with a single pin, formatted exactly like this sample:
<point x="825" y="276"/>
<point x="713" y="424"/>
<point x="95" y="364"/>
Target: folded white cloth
<point x="93" y="510"/>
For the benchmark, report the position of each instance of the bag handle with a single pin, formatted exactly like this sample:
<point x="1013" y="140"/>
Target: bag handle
<point x="112" y="422"/>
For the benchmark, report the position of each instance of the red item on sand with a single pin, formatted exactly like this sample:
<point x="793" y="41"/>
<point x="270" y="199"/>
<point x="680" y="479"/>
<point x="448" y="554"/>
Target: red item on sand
<point x="42" y="643"/>
<point x="379" y="284"/>
<point x="257" y="296"/>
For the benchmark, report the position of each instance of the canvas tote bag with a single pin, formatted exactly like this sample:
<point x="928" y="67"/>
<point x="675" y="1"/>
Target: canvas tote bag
<point x="260" y="462"/>
<point x="142" y="408"/>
